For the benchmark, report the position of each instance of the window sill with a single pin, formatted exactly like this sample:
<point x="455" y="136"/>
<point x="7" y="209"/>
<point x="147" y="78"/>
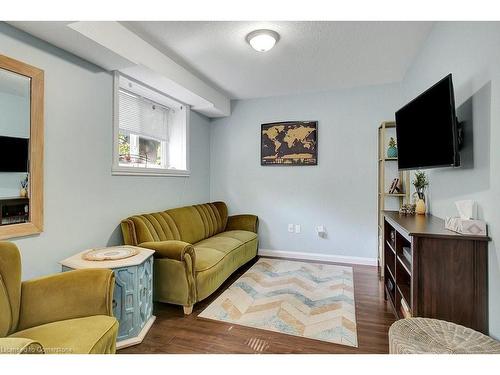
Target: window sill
<point x="123" y="171"/>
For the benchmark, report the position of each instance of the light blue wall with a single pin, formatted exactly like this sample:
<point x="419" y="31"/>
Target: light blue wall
<point x="14" y="122"/>
<point x="340" y="193"/>
<point x="470" y="51"/>
<point x="83" y="202"/>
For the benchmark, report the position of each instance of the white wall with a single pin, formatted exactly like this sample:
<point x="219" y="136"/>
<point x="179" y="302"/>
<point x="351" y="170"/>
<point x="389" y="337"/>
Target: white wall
<point x="470" y="51"/>
<point x="83" y="202"/>
<point x="340" y="193"/>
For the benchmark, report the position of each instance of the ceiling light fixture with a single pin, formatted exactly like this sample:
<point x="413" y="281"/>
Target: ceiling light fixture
<point x="262" y="40"/>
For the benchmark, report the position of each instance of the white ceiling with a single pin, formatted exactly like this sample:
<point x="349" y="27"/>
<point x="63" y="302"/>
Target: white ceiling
<point x="310" y="56"/>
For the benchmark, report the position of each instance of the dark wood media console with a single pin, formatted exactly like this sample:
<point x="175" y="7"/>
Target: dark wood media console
<point x="435" y="272"/>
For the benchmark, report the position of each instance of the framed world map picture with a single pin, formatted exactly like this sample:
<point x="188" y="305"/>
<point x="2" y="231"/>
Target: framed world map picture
<point x="289" y="143"/>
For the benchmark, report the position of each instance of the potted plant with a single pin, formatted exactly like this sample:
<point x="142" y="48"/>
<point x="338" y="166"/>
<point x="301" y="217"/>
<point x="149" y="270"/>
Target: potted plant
<point x="392" y="151"/>
<point x="24" y="187"/>
<point x="420" y="182"/>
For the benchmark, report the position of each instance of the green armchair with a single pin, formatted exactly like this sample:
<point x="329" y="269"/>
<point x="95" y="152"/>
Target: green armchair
<point x="69" y="312"/>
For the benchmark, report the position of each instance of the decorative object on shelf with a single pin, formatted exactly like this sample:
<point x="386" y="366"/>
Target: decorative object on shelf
<point x="392" y="151"/>
<point x="289" y="143"/>
<point x="24" y="187"/>
<point x="110" y="253"/>
<point x="467" y="222"/>
<point x="420" y="182"/>
<point x="407" y="209"/>
<point x="395" y="186"/>
<point x="133" y="293"/>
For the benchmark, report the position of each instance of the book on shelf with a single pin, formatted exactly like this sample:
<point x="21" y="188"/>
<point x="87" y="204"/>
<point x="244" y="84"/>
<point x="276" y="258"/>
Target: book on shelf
<point x="407" y="253"/>
<point x="405" y="310"/>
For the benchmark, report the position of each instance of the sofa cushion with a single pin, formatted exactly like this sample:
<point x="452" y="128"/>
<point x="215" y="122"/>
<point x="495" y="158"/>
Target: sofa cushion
<point x="211" y="251"/>
<point x="240" y="235"/>
<point x="209" y="279"/>
<point x="189" y="224"/>
<point x="207" y="258"/>
<point x="94" y="334"/>
<point x="222" y="244"/>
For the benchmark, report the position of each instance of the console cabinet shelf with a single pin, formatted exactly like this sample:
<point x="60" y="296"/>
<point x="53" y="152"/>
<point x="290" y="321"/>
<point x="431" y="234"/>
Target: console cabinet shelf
<point x="433" y="272"/>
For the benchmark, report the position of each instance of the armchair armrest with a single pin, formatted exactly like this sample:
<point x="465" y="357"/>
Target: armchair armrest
<point x="67" y="295"/>
<point x="18" y="345"/>
<point x="243" y="222"/>
<point x="171" y="249"/>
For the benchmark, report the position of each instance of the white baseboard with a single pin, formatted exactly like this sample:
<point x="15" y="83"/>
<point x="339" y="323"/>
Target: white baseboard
<point x="318" y="256"/>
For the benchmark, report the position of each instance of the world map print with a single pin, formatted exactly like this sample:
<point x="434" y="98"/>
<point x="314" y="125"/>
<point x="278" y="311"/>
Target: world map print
<point x="289" y="143"/>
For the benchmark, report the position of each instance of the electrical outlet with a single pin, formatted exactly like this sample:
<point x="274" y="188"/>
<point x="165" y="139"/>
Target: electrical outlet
<point x="321" y="231"/>
<point x="290" y="228"/>
<point x="297" y="228"/>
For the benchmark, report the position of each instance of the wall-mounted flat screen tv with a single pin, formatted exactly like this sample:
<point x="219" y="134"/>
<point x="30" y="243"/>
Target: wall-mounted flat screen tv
<point x="13" y="154"/>
<point x="426" y="129"/>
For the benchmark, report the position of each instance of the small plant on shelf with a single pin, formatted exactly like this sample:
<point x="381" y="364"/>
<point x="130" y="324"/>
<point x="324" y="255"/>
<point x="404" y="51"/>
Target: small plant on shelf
<point x="392" y="151"/>
<point x="420" y="182"/>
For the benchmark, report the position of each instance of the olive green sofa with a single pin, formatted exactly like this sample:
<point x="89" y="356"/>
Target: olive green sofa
<point x="65" y="313"/>
<point x="196" y="249"/>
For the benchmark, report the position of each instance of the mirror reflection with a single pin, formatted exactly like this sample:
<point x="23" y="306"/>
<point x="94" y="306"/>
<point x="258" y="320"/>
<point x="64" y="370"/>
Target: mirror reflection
<point x="14" y="147"/>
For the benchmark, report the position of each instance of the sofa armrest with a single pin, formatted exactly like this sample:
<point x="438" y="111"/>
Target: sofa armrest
<point x="243" y="222"/>
<point x="171" y="249"/>
<point x="18" y="345"/>
<point x="67" y="295"/>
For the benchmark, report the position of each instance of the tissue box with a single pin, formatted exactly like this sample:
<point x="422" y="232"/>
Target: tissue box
<point x="466" y="226"/>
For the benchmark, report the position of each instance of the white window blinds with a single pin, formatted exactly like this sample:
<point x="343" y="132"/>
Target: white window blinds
<point x="140" y="116"/>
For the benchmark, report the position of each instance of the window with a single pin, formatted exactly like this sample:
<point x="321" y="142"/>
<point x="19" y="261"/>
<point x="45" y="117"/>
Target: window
<point x="150" y="131"/>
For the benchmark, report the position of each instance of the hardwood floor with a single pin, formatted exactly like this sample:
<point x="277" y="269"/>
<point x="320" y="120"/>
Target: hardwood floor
<point x="173" y="332"/>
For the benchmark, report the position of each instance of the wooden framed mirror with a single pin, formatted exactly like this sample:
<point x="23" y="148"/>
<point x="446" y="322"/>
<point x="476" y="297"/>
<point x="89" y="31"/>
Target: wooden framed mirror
<point x="21" y="148"/>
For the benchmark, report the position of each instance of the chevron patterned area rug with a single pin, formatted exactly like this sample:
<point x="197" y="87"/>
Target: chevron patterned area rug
<point x="310" y="300"/>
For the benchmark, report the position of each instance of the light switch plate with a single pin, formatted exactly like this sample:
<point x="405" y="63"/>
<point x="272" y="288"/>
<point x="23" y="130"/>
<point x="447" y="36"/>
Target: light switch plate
<point x="290" y="228"/>
<point x="297" y="228"/>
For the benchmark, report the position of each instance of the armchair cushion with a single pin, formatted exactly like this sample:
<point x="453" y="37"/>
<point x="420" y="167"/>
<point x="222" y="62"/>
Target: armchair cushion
<point x="15" y="345"/>
<point x="10" y="287"/>
<point x="67" y="295"/>
<point x="93" y="335"/>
